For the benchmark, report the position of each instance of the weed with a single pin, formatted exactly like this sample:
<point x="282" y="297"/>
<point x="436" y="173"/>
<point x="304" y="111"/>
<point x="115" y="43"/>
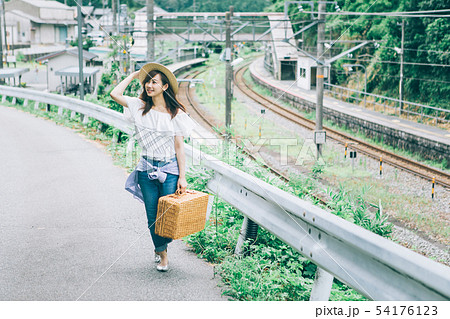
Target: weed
<point x="317" y="169"/>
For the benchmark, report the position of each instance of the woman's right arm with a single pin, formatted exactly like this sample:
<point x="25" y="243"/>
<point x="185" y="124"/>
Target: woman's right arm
<point x="117" y="93"/>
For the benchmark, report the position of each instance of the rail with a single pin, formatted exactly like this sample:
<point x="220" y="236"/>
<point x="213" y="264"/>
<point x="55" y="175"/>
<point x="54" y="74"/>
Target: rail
<point x="391" y="105"/>
<point x="374" y="266"/>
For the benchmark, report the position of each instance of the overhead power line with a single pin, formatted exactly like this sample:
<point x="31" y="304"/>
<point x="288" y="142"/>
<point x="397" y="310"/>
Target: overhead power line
<point x="424" y="14"/>
<point x="395" y="62"/>
<point x="416" y="79"/>
<point x="396" y="76"/>
<point x="418" y="50"/>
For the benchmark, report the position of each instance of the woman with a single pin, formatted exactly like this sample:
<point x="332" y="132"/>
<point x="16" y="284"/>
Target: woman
<point x="161" y="122"/>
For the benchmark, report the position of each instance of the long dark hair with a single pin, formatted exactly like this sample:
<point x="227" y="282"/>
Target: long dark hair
<point x="172" y="102"/>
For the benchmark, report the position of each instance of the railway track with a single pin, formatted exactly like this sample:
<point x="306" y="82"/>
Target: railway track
<point x="375" y="152"/>
<point x="363" y="147"/>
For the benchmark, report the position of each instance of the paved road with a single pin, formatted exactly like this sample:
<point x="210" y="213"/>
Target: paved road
<point x="65" y="220"/>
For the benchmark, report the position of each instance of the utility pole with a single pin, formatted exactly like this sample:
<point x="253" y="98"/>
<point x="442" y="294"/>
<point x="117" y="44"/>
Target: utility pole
<point x="229" y="70"/>
<point x="80" y="50"/>
<point x="4" y="30"/>
<point x="319" y="134"/>
<point x="150" y="30"/>
<point x="114" y="11"/>
<point x="118" y="17"/>
<point x="1" y="47"/>
<point x="401" y="68"/>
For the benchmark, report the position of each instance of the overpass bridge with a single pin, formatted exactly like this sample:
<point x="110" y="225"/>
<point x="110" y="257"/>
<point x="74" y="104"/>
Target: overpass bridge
<point x="204" y="27"/>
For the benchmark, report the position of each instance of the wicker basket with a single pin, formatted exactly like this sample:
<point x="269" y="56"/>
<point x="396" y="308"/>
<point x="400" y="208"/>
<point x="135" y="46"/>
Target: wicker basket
<point x="181" y="215"/>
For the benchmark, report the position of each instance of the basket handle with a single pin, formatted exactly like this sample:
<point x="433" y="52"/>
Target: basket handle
<point x="178" y="193"/>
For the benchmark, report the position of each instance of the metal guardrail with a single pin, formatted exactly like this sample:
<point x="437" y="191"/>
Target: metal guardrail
<point x="88" y="109"/>
<point x="391" y="105"/>
<point x="371" y="264"/>
<point x="374" y="266"/>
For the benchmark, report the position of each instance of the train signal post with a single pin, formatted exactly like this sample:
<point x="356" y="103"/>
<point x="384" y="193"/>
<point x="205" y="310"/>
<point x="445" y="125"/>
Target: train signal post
<point x="229" y="70"/>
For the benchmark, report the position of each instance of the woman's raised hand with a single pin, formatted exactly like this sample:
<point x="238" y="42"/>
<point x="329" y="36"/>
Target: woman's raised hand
<point x="117" y="93"/>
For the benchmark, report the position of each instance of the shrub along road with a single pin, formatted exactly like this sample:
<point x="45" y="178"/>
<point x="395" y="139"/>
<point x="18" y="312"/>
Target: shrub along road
<point x="70" y="231"/>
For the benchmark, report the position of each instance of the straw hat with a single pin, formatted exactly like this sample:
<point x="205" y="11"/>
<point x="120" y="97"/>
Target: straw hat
<point x="161" y="68"/>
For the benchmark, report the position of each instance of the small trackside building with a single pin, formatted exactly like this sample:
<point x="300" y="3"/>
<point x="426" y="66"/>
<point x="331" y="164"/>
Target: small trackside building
<point x="61" y="60"/>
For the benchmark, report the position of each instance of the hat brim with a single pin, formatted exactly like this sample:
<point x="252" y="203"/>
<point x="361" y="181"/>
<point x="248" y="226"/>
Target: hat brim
<point x="146" y="69"/>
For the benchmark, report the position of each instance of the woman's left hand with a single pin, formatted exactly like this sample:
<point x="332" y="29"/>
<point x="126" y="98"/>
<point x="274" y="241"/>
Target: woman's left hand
<point x="181" y="185"/>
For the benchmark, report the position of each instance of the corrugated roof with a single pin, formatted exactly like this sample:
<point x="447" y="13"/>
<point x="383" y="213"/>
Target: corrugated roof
<point x="74" y="51"/>
<point x="41" y="21"/>
<point x="75" y="71"/>
<point x="11" y="72"/>
<point x="156" y="9"/>
<point x="100" y="11"/>
<point x="47" y="4"/>
<point x="280" y="31"/>
<point x="87" y="10"/>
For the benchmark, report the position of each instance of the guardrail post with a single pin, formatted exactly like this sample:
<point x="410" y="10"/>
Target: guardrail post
<point x="3" y="98"/>
<point x="14" y="100"/>
<point x="241" y="238"/>
<point x="249" y="230"/>
<point x="72" y="114"/>
<point x="36" y="105"/>
<point x="116" y="137"/>
<point x="322" y="286"/>
<point x="60" y="111"/>
<point x="85" y="119"/>
<point x="25" y="102"/>
<point x="130" y="149"/>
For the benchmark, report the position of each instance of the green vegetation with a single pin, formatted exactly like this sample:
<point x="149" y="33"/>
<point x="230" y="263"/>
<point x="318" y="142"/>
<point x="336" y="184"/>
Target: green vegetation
<point x="87" y="43"/>
<point x="268" y="269"/>
<point x="212" y="5"/>
<point x="187" y="5"/>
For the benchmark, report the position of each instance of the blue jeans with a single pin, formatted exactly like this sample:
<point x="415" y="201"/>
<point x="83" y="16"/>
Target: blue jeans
<point x="152" y="190"/>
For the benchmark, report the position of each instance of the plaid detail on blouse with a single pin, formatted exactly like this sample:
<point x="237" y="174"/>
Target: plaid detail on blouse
<point x="158" y="145"/>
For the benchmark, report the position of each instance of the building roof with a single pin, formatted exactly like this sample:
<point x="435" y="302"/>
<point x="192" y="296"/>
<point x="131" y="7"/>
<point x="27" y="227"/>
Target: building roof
<point x="100" y="11"/>
<point x="47" y="4"/>
<point x="156" y="9"/>
<point x="12" y="72"/>
<point x="75" y="71"/>
<point x="87" y="10"/>
<point x="73" y="51"/>
<point x="41" y="21"/>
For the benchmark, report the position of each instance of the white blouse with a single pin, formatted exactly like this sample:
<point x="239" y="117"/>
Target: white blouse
<point x="155" y="131"/>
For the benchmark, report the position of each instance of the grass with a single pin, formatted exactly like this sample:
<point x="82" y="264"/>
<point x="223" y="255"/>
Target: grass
<point x="268" y="270"/>
<point x="399" y="205"/>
